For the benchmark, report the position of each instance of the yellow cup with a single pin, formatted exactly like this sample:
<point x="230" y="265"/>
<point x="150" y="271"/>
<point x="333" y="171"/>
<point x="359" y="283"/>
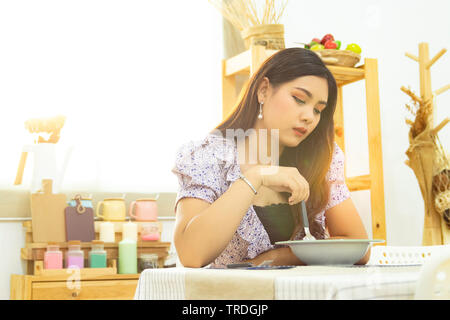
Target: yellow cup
<point x="113" y="209"/>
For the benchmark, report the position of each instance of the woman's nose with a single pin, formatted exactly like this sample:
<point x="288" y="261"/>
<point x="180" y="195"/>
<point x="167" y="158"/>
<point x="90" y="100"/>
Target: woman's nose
<point x="307" y="114"/>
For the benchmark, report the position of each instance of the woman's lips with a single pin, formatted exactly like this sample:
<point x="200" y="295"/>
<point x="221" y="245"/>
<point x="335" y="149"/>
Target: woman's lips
<point x="299" y="131"/>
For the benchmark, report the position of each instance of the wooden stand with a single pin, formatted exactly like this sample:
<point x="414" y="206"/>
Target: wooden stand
<point x="435" y="231"/>
<point x="249" y="61"/>
<point x="86" y="283"/>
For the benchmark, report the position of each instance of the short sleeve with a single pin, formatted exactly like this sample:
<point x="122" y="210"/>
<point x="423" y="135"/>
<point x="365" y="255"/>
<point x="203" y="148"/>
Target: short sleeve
<point x="198" y="170"/>
<point x="336" y="176"/>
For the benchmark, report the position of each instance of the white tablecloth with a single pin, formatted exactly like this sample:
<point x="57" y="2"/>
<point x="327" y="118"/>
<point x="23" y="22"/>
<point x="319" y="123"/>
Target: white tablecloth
<point x="299" y="283"/>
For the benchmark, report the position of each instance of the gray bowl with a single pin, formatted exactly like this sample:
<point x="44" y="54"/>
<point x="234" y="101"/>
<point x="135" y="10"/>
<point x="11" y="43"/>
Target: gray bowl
<point x="330" y="252"/>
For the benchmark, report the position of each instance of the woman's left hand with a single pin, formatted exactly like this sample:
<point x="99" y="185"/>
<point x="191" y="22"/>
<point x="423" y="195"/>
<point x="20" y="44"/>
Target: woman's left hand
<point x="267" y="255"/>
<point x="279" y="256"/>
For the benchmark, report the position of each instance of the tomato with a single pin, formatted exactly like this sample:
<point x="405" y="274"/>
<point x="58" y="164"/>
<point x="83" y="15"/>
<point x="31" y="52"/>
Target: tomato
<point x="326" y="38"/>
<point x="330" y="44"/>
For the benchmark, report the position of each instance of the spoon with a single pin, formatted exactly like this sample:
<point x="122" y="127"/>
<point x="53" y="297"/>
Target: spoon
<point x="308" y="235"/>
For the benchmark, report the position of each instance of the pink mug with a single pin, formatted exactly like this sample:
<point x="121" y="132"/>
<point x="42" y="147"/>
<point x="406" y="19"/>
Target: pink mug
<point x="146" y="210"/>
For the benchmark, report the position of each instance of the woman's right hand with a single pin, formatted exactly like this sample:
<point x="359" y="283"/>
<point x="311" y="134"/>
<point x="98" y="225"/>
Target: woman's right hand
<point x="284" y="179"/>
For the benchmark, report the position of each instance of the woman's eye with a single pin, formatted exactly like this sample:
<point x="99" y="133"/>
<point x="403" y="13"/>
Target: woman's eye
<point x="298" y="100"/>
<point x="317" y="111"/>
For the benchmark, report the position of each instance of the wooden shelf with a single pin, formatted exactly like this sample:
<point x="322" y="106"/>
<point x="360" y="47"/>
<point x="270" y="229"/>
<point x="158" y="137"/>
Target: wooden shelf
<point x="36" y="251"/>
<point x="64" y="287"/>
<point x="89" y="283"/>
<point x="86" y="272"/>
<point x="345" y="75"/>
<point x="358" y="183"/>
<point x="33" y="251"/>
<point x="29" y="244"/>
<point x="239" y="65"/>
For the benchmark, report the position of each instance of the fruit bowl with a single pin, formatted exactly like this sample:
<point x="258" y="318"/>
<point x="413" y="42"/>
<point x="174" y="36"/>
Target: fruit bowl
<point x="329" y="251"/>
<point x="343" y="58"/>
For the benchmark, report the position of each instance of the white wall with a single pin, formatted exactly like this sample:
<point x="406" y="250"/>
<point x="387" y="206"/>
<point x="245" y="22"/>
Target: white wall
<point x="130" y="76"/>
<point x="12" y="239"/>
<point x="385" y="30"/>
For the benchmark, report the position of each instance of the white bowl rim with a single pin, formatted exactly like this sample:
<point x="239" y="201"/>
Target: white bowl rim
<point x="329" y="241"/>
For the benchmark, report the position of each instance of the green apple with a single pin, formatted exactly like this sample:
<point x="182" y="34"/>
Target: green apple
<point x="354" y="48"/>
<point x="317" y="47"/>
<point x="338" y="42"/>
<point x="313" y="42"/>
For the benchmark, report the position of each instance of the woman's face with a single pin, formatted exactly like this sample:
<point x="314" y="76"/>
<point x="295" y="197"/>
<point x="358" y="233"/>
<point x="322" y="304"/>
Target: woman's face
<point x="295" y="104"/>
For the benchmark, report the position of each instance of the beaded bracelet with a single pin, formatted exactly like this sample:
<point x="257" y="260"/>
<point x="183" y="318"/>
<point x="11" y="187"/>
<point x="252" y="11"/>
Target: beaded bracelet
<point x="248" y="182"/>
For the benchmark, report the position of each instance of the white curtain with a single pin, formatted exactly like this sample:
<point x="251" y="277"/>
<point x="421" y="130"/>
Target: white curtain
<point x="135" y="79"/>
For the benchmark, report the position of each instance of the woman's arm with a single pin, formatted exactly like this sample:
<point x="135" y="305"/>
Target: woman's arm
<point x="202" y="230"/>
<point x="343" y="221"/>
<point x="280" y="256"/>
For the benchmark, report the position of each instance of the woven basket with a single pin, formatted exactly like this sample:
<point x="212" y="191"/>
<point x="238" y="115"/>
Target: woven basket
<point x="342" y="58"/>
<point x="269" y="35"/>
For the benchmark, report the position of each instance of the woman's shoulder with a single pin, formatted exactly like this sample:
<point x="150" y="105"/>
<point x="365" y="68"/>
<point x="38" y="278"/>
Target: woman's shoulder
<point x="338" y="157"/>
<point x="212" y="146"/>
<point x="336" y="169"/>
<point x="206" y="165"/>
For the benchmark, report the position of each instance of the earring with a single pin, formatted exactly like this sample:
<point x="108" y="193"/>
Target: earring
<point x="260" y="116"/>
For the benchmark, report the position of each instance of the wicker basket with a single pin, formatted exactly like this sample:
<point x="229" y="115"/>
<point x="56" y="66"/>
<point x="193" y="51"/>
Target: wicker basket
<point x="269" y="35"/>
<point x="342" y="58"/>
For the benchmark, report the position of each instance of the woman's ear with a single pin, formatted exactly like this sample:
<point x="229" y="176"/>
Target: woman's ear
<point x="263" y="89"/>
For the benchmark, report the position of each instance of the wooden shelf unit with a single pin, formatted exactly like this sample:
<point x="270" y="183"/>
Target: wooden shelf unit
<point x="63" y="287"/>
<point x="247" y="62"/>
<point x="93" y="284"/>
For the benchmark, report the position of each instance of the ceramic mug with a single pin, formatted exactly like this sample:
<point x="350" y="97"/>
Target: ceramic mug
<point x="113" y="209"/>
<point x="146" y="210"/>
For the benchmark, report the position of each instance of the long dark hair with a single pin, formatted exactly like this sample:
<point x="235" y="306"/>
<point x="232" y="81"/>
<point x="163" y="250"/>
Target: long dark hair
<point x="313" y="155"/>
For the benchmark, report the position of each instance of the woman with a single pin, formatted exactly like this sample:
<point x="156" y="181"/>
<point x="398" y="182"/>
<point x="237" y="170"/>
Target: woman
<point x="230" y="209"/>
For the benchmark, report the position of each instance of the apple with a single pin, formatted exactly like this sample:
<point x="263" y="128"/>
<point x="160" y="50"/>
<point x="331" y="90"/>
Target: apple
<point x="317" y="47"/>
<point x="330" y="44"/>
<point x="313" y="42"/>
<point x="354" y="48"/>
<point x="338" y="42"/>
<point x="326" y="38"/>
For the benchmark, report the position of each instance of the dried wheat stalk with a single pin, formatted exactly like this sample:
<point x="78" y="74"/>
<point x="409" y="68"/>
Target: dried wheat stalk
<point x="52" y="126"/>
<point x="422" y="111"/>
<point x="244" y="13"/>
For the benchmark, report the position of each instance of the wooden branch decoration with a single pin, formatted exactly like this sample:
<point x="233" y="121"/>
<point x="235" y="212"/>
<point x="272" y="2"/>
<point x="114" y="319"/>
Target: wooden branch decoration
<point x="411" y="56"/>
<point x="411" y="94"/>
<point x="435" y="58"/>
<point x="423" y="153"/>
<point x="442" y="90"/>
<point x="440" y="126"/>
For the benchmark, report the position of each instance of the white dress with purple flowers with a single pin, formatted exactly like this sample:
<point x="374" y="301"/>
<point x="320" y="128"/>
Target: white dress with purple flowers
<point x="207" y="168"/>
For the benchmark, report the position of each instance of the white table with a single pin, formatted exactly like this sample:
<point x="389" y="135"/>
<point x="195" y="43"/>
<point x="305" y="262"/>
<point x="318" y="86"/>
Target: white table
<point x="299" y="283"/>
